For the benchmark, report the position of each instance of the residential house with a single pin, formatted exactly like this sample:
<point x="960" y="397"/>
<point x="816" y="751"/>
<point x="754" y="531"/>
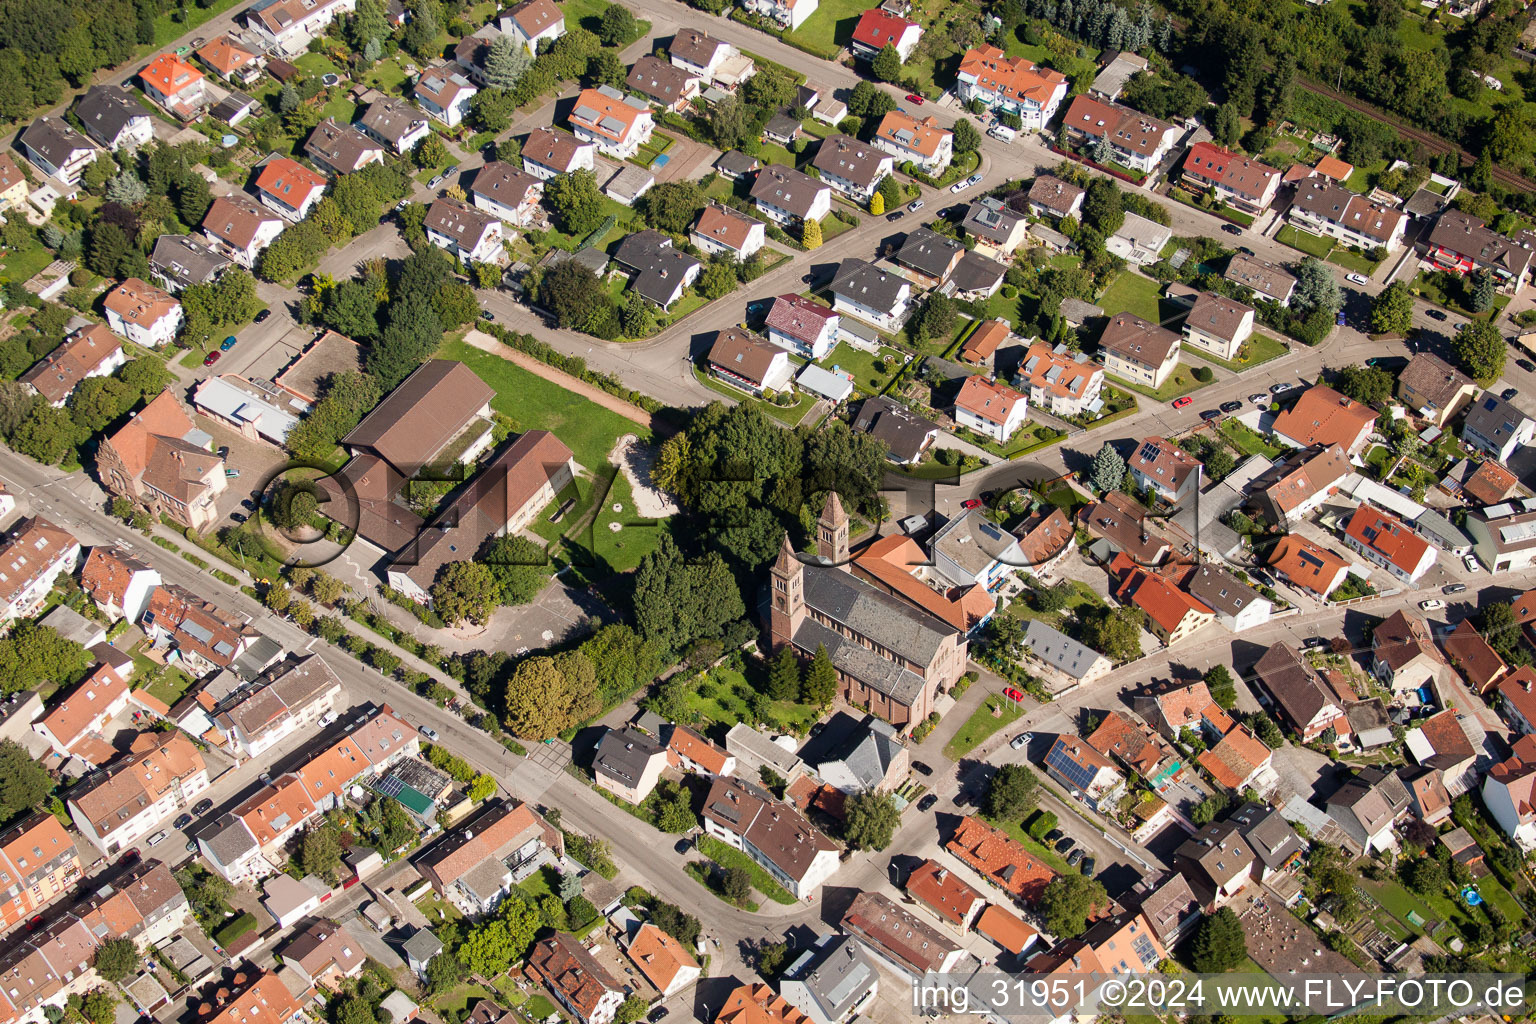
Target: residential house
<point x="688" y="751"/>
<point x="1130" y="743"/>
<point x="713" y="60"/>
<point x="118" y="582"/>
<point x="1169" y="906"/>
<point x="91" y="351"/>
<point x="1131" y="138"/>
<point x="1367" y="807"/>
<point x="342" y="149"/>
<point x="180" y="261"/>
<point x="289" y="188"/>
<point x="618" y="126"/>
<point x="175" y="85"/>
<point x="13" y="184"/>
<point x="1428" y="798"/>
<point x="869" y="759"/>
<point x="507" y="193"/>
<point x="73" y="726"/>
<point x="899" y="939"/>
<point x="990" y="408"/>
<point x="774" y="835"/>
<point x="32" y="557"/>
<point x="114" y="118"/>
<point x="1442" y="743"/>
<point x="162" y="461"/>
<point x="395" y="123"/>
<point x="1121" y="522"/>
<point x="1011" y="85"/>
<point x="1266" y="280"/>
<point x="1246" y="184"/>
<point x="286" y="27"/>
<point x="1237" y="605"/>
<point x="983" y="342"/>
<point x="1308" y="566"/>
<point x="1238" y="762"/>
<point x="115" y="806"/>
<point x="1298" y="691"/>
<point x="1490" y="483"/>
<point x="1218" y="862"/>
<point x="286" y="698"/>
<point x="468" y="234"/>
<point x="1502" y="536"/>
<point x="896" y="565"/>
<point x="231" y="60"/>
<point x="142" y="313"/>
<point x="1388" y="543"/>
<point x="975" y="278"/>
<point x="746" y="361"/>
<point x="258" y="409"/>
<point x="869" y="293"/>
<point x="1060" y="381"/>
<point x="1078" y="662"/>
<point x="878" y="28"/>
<point x="1462" y="244"/>
<point x="1000" y="859"/>
<point x="1322" y="416"/>
<point x="196" y="635"/>
<point x="1165" y="469"/>
<point x="1139" y="240"/>
<point x="997" y="228"/>
<point x="782" y="129"/>
<point x="786" y="196"/>
<point x="1405" y="657"/>
<point x="239" y="228"/>
<point x="548" y="154"/>
<point x="661" y="272"/>
<point x="664" y="961"/>
<point x="39" y="857"/>
<point x="532" y="22"/>
<point x="929" y="256"/>
<point x="721" y="229"/>
<point x="479" y="861"/>
<point x="1497" y="427"/>
<point x="1509" y="793"/>
<point x="756" y="1003"/>
<point x="945" y="894"/>
<point x="736" y="165"/>
<point x="628" y="184"/>
<point x="574" y="977"/>
<point x="1471" y="655"/>
<point x="1086" y="773"/>
<point x="1519" y="707"/>
<point x="803" y="326"/>
<point x="831" y="982"/>
<point x="665" y="84"/>
<point x="852" y="167"/>
<point x="1049" y="196"/>
<point x="1117" y="74"/>
<point x="1218" y="326"/>
<point x="55" y="148"/>
<point x="628" y="764"/>
<point x="1298" y="484"/>
<point x="919" y="141"/>
<point x="1138" y="351"/>
<point x="324" y="953"/>
<point x="1434" y="389"/>
<point x="789" y="14"/>
<point x="1172" y="614"/>
<point x="472" y="52"/>
<point x="1324" y="208"/>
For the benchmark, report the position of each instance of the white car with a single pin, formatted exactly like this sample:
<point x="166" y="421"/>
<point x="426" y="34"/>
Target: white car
<point x="429" y="732"/>
<point x="959" y="186"/>
<point x="1357" y="278"/>
<point x="327" y="718"/>
<point x="159" y="837"/>
<point x="1019" y="740"/>
<point x="1259" y="398"/>
<point x="1470" y="561"/>
<point x="914" y="207"/>
<point x="1434" y="604"/>
<point x="975" y="179"/>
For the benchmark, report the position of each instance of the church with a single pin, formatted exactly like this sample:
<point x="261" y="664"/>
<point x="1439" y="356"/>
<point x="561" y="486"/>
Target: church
<point x="891" y="656"/>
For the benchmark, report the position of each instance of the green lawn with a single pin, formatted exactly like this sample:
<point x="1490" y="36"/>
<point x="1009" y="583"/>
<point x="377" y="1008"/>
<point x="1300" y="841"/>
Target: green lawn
<point x="1015" y="829"/>
<point x="1256" y="351"/>
<point x="387" y="76"/>
<point x="773" y="153"/>
<point x="982" y="724"/>
<point x="1313" y="245"/>
<point x="317" y="64"/>
<point x="340" y="107"/>
<point x="1031" y="437"/>
<point x="862" y="365"/>
<point x="1430" y="287"/>
<point x="721" y="696"/>
<point x="1353" y="261"/>
<point x="1180" y="382"/>
<point x="762" y="881"/>
<point x="1132" y="293"/>
<point x="167" y="684"/>
<point x="832" y="25"/>
<point x="168" y="29"/>
<point x="457" y="1000"/>
<point x="1082" y="596"/>
<point x="623" y="549"/>
<point x="23" y="264"/>
<point x="789" y="415"/>
<point x="1247" y="440"/>
<point x="1220" y="210"/>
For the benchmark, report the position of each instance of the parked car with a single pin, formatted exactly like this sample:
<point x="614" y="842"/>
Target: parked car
<point x="223" y="451"/>
<point x="1339" y="319"/>
<point x="1312" y="643"/>
<point x="437" y="179"/>
<point x="1259" y="398"/>
<point x="893" y="217"/>
<point x="1074" y="858"/>
<point x="1509" y="394"/>
<point x="1053" y="835"/>
<point x="658" y="1014"/>
<point x="1280" y="389"/>
<point x="202" y="807"/>
<point x="682" y="846"/>
<point x="248" y="505"/>
<point x="1063" y="844"/>
<point x="927" y="802"/>
<point x="228" y="343"/>
<point x="239" y="517"/>
<point x="1233" y="406"/>
<point x="1357" y="279"/>
<point x="182" y="821"/>
<point x="1454" y="588"/>
<point x="915" y="206"/>
<point x="1210" y="414"/>
<point x="1526" y="365"/>
<point x="159" y="837"/>
<point x="960" y="186"/>
<point x="1088" y="866"/>
<point x="1019" y="741"/>
<point x="1012" y="694"/>
<point x="913" y="97"/>
<point x="261" y="317"/>
<point x="211" y="358"/>
<point x="976" y="179"/>
<point x="1260" y="576"/>
<point x="1470" y="561"/>
<point x="970" y="503"/>
<point x="327" y="718"/>
<point x="1179" y="403"/>
<point x="921" y="768"/>
<point x="1232" y="229"/>
<point x="231" y="474"/>
<point x="402" y="204"/>
<point x="427" y="731"/>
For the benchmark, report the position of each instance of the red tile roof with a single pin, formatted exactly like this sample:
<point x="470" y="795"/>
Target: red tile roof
<point x="878" y="28"/>
<point x="944" y="892"/>
<point x="1388" y="537"/>
<point x="1323" y="416"/>
<point x="1000" y="858"/>
<point x="1012" y="77"/>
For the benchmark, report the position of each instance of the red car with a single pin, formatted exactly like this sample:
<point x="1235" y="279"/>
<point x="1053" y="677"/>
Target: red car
<point x="970" y="503"/>
<point x="913" y="97"/>
<point x="1012" y="694"/>
<point x="212" y="357"/>
<point x="1179" y="403"/>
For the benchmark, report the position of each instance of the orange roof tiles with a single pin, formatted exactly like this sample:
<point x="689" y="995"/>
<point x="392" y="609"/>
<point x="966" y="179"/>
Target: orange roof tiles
<point x="944" y="892"/>
<point x="86" y="707"/>
<point x="1005" y="929"/>
<point x="888" y="563"/>
<point x="1306" y="564"/>
<point x="140" y="303"/>
<point x="758" y="1004"/>
<point x="1388" y="537"/>
<point x="985" y="339"/>
<point x="659" y="956"/>
<point x="686" y="743"/>
<point x="988" y="399"/>
<point x="277" y="810"/>
<point x="168" y="74"/>
<point x="919" y="135"/>
<point x="1165" y="604"/>
<point x="1013" y="77"/>
<point x="1000" y="858"/>
<point x="1323" y="416"/>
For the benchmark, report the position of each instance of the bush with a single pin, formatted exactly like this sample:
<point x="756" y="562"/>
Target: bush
<point x="1204" y="374"/>
<point x="233" y="929"/>
<point x="1041" y="824"/>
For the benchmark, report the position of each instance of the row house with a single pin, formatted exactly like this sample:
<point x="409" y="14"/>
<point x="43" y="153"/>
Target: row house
<point x="989" y="408"/>
<point x="142" y="313"/>
<point x="395" y="123"/>
<point x="341" y="149"/>
<point x="38" y="863"/>
<point x="289" y="188"/>
<point x="617" y="125"/>
<point x="896" y="937"/>
<point x="74" y="725"/>
<point x="1324" y="208"/>
<point x="57" y="149"/>
<point x="1138" y="351"/>
<point x="713" y="60"/>
<point x="1244" y="183"/>
<point x="286" y="27"/>
<point x="481" y="860"/>
<point x="162" y="776"/>
<point x="1386" y="542"/>
<point x="852" y="167"/>
<point x="1134" y="139"/>
<point x="163" y="461"/>
<point x="114" y="118"/>
<point x="195" y="634"/>
<point x="92" y="351"/>
<point x="1368" y="807"/>
<point x="1011" y="85"/>
<point x="945" y="894"/>
<point x="445" y="94"/>
<point x="548" y="154"/>
<point x="1218" y="326"/>
<point x="786" y="196"/>
<point x="287" y="697"/>
<point x="1060" y="381"/>
<point x="1171" y="614"/>
<point x="1307" y="565"/>
<point x="468" y="234"/>
<point x="919" y="141"/>
<point x="240" y="228"/>
<point x="1461" y="243"/>
<point x="1237" y="605"/>
<point x="32" y="557"/>
<point x="508" y="193"/>
<point x="175" y="85"/>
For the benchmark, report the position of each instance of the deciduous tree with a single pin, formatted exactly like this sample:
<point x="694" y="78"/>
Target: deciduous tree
<point x="872" y="819"/>
<point x="886" y="67"/>
<point x="1480" y="350"/>
<point x="1067" y="902"/>
<point x="1012" y="792"/>
<point x="1392" y="310"/>
<point x="465" y="591"/>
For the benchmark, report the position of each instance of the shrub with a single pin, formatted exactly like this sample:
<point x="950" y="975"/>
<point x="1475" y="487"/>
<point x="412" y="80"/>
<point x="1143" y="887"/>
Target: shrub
<point x="233" y="929"/>
<point x="1204" y="374"/>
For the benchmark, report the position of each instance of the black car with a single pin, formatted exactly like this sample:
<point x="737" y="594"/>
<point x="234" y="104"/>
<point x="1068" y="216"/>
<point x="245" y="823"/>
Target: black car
<point x="182" y="822"/>
<point x="239" y="517"/>
<point x="1053" y="835"/>
<point x="261" y="317"/>
<point x="1232" y="229"/>
<point x="682" y="847"/>
<point x="486" y="314"/>
<point x="223" y="451"/>
<point x="1435" y="314"/>
<point x="1231" y="406"/>
<point x="1063" y="844"/>
<point x="202" y="807"/>
<point x="1509" y="394"/>
<point x="1260" y="576"/>
<point x="1210" y="414"/>
<point x="808" y="278"/>
<point x="893" y="217"/>
<point x="927" y="802"/>
<point x="921" y="769"/>
<point x="657" y="1014"/>
<point x="248" y="505"/>
<point x="1526" y="365"/>
<point x="1087" y="866"/>
<point x="1312" y="643"/>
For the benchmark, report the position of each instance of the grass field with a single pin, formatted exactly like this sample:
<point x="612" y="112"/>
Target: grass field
<point x="832" y="25"/>
<point x="23" y="264"/>
<point x="1353" y="261"/>
<point x="862" y="365"/>
<point x="1132" y="293"/>
<point x="166" y="684"/>
<point x="1256" y="351"/>
<point x="726" y="703"/>
<point x="1312" y="245"/>
<point x="982" y="724"/>
<point x="1180" y="382"/>
<point x="1248" y="440"/>
<point x="623" y="549"/>
<point x="1015" y="829"/>
<point x="789" y="415"/>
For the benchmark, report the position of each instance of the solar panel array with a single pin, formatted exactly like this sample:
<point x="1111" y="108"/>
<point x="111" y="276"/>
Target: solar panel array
<point x="1076" y="773"/>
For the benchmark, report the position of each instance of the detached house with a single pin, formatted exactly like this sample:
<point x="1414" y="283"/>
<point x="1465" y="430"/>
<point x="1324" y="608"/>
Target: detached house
<point x="802" y="325"/>
<point x="1059" y="380"/>
<point x="1307" y="565"/>
<point x="13" y="184"/>
<point x="1434" y="389"/>
<point x="997" y="228"/>
<point x="549" y="153"/>
<point x="239" y="228"/>
<point x="1218" y="325"/>
<point x="721" y="229"/>
<point x="786" y="196"/>
<point x="175" y="85"/>
<point x="1497" y="427"/>
<point x="615" y="124"/>
<point x="1138" y="351"/>
<point x="990" y="408"/>
<point x="507" y="193"/>
<point x="467" y="234"/>
<point x="395" y="123"/>
<point x="1049" y="196"/>
<point x="1324" y="208"/>
<point x="918" y="140"/>
<point x="879" y="28"/>
<point x="1509" y="791"/>
<point x="286" y="27"/>
<point x="232" y="61"/>
<point x="1266" y="280"/>
<point x="929" y="256"/>
<point x="532" y="22"/>
<point x="1461" y="244"/>
<point x="1165" y="469"/>
<point x="444" y="93"/>
<point x="31" y="558"/>
<point x="113" y="117"/>
<point x="713" y="60"/>
<point x="1305" y="700"/>
<point x="852" y="167"/>
<point x="1012" y="85"/>
<point x="664" y="83"/>
<point x="1388" y="543"/>
<point x="661" y="272"/>
<point x="1322" y="416"/>
<point x="790" y="14"/>
<point x="744" y="360"/>
<point x="142" y="313"/>
<point x="1246" y="184"/>
<point x="665" y="962"/>
<point x="179" y="261"/>
<point x="1238" y="606"/>
<point x="89" y="352"/>
<point x="289" y="188"/>
<point x="55" y="148"/>
<point x="161" y="460"/>
<point x="342" y="149"/>
<point x="1134" y="139"/>
<point x="774" y="835"/>
<point x="872" y="295"/>
<point x="1405" y="657"/>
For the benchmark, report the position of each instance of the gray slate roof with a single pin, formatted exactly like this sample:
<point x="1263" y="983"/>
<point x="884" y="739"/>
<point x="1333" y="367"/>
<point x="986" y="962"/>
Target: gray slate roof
<point x="622" y="755"/>
<point x="928" y="252"/>
<point x="868" y="754"/>
<point x="1058" y="650"/>
<point x="105" y="110"/>
<point x="902" y="430"/>
<point x="867" y="284"/>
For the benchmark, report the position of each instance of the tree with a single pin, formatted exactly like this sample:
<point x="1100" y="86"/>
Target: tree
<point x="1220" y="943"/>
<point x="1103" y="206"/>
<point x="876" y="203"/>
<point x="967" y="139"/>
<point x="1392" y="310"/>
<point x="465" y="591"/>
<point x="1482" y="289"/>
<point x="320" y="853"/>
<point x="430" y="152"/>
<point x="421" y="30"/>
<point x="547" y="695"/>
<point x="1207" y="809"/>
<point x="33" y="654"/>
<point x="784" y="675"/>
<point x="1225" y="125"/>
<point x="1369" y="385"/>
<point x="872" y="819"/>
<point x="674" y="810"/>
<point x="491" y="110"/>
<point x="1223" y="686"/>
<point x="718" y="278"/>
<point x="771" y="957"/>
<point x="116" y="959"/>
<point x="671" y="206"/>
<point x="677" y="602"/>
<point x="1067" y="901"/>
<point x="886" y="67"/>
<point x="735" y="884"/>
<point x="810" y="234"/>
<point x="570" y="291"/>
<point x="506" y="62"/>
<point x="630" y="1010"/>
<point x="1316" y="288"/>
<point x="638" y="317"/>
<point x="1424" y="875"/>
<point x="577" y="199"/>
<point x="24" y="783"/>
<point x="444" y="971"/>
<point x="820" y="686"/>
<point x="936" y="319"/>
<point x="370" y="23"/>
<point x="1012" y="792"/>
<point x="355" y="1010"/>
<point x="728" y="123"/>
<point x="1115" y="633"/>
<point x="868" y="102"/>
<point x="99" y="1006"/>
<point x="519" y="566"/>
<point x="193" y="197"/>
<point x="1108" y="468"/>
<point x="482" y="787"/>
<point x="1266" y="730"/>
<point x="510" y="150"/>
<point x="617" y="26"/>
<point x="890" y="190"/>
<point x="97" y="401"/>
<point x="1480" y="350"/>
<point x="488" y="949"/>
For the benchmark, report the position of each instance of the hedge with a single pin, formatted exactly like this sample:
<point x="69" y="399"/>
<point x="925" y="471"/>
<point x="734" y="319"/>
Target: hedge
<point x="235" y="928"/>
